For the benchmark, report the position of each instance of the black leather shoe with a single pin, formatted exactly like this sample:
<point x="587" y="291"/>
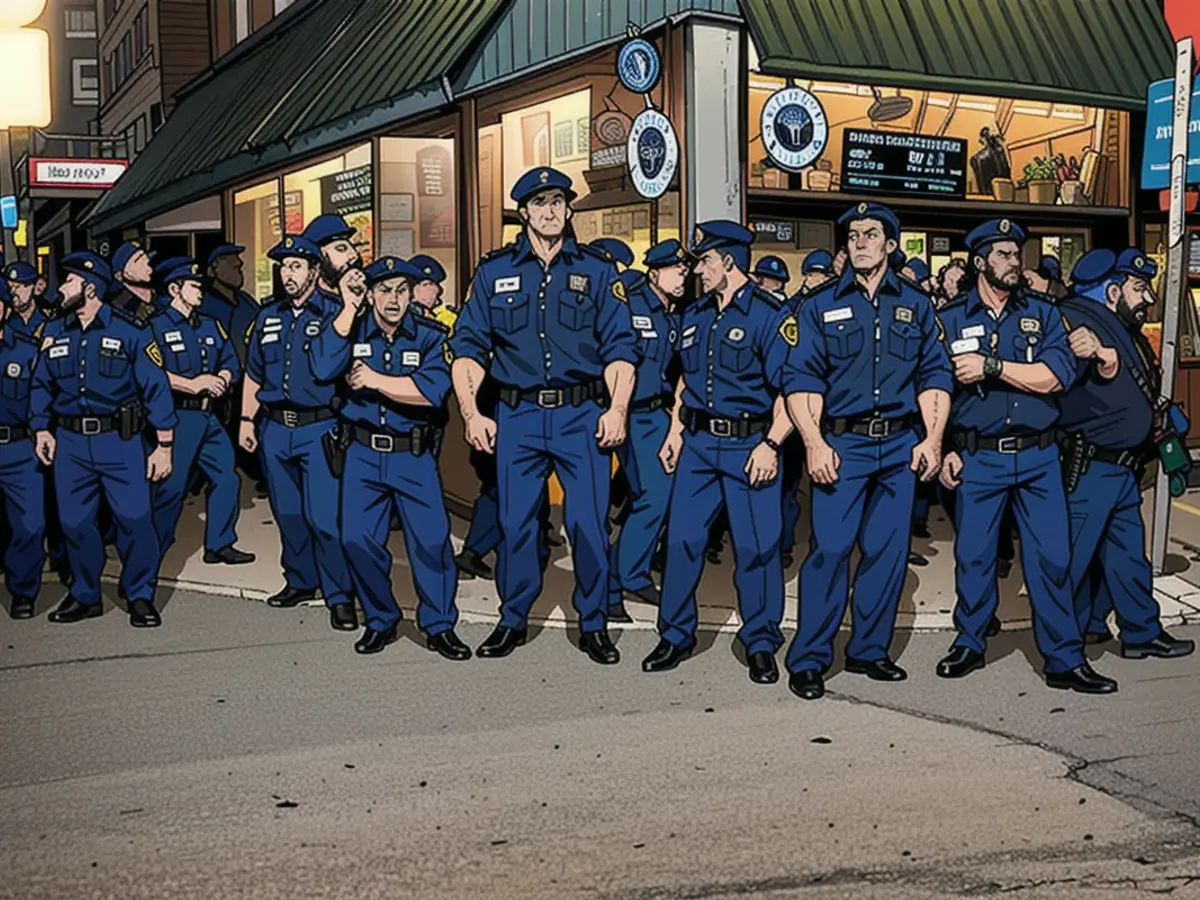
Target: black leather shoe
<point x="647" y="595"/>
<point x="1083" y="680"/>
<point x="343" y="617"/>
<point x="290" y="597"/>
<point x="21" y="608"/>
<point x="1004" y="567"/>
<point x="916" y="559"/>
<point x="920" y="530"/>
<point x="71" y="610"/>
<point x="1098" y="637"/>
<point x="619" y="614"/>
<point x="807" y="685"/>
<point x="664" y="657"/>
<point x="471" y="565"/>
<point x="553" y="538"/>
<point x="501" y="642"/>
<point x="959" y="663"/>
<point x="448" y="645"/>
<point x="1164" y="647"/>
<point x="142" y="614"/>
<point x="374" y="641"/>
<point x="229" y="556"/>
<point x="876" y="669"/>
<point x="599" y="648"/>
<point x="994" y="627"/>
<point x="763" y="669"/>
<point x="712" y="556"/>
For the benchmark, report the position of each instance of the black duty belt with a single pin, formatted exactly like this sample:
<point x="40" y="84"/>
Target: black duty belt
<point x="872" y="425"/>
<point x="89" y="425"/>
<point x="698" y="420"/>
<point x="297" y="418"/>
<point x="553" y="398"/>
<point x="1126" y="459"/>
<point x="650" y="404"/>
<point x="10" y="434"/>
<point x="191" y="401"/>
<point x="969" y="442"/>
<point x="416" y="441"/>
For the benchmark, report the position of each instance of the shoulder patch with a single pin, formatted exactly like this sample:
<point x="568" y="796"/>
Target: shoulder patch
<point x="618" y="291"/>
<point x="430" y="322"/>
<point x="593" y="252"/>
<point x="221" y="330"/>
<point x="789" y="330"/>
<point x="447" y="353"/>
<point x="506" y="250"/>
<point x="154" y="353"/>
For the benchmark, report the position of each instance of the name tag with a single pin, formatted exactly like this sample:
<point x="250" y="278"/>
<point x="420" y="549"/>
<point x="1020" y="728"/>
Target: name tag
<point x="1031" y="326"/>
<point x="272" y="338"/>
<point x="110" y="344"/>
<point x="178" y="348"/>
<point x="838" y="315"/>
<point x="173" y="336"/>
<point x="904" y="314"/>
<point x="63" y="339"/>
<point x="13" y="370"/>
<point x="579" y="283"/>
<point x="974" y="331"/>
<point x="643" y="322"/>
<point x="59" y="352"/>
<point x="504" y="285"/>
<point x="649" y="334"/>
<point x="688" y="332"/>
<point x="687" y="342"/>
<point x="966" y="345"/>
<point x="410" y="358"/>
<point x="362" y="351"/>
<point x="312" y="329"/>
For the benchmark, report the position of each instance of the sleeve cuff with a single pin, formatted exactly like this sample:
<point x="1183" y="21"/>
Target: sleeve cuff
<point x="166" y="423"/>
<point x="938" y="382"/>
<point x="801" y="383"/>
<point x="620" y="354"/>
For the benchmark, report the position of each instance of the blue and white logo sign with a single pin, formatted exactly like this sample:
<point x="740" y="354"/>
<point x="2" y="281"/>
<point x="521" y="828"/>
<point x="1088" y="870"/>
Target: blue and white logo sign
<point x="653" y="153"/>
<point x="794" y="128"/>
<point x="638" y="66"/>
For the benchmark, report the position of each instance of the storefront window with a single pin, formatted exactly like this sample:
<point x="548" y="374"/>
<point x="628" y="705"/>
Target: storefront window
<point x="417" y="204"/>
<point x="555" y="133"/>
<point x="256" y="226"/>
<point x="339" y="186"/>
<point x="791" y="241"/>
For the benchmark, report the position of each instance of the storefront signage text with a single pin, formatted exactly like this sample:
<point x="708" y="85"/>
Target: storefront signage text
<point x="775" y="232"/>
<point x="346" y="193"/>
<point x="881" y="162"/>
<point x="794" y="128"/>
<point x="1156" y="155"/>
<point x="75" y="173"/>
<point x="653" y="153"/>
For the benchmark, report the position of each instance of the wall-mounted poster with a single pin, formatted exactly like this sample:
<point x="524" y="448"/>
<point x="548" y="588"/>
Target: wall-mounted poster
<point x="396" y="207"/>
<point x="396" y="242"/>
<point x="435" y="173"/>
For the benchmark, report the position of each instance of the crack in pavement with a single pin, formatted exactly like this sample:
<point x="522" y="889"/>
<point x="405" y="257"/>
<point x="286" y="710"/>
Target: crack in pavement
<point x="163" y="654"/>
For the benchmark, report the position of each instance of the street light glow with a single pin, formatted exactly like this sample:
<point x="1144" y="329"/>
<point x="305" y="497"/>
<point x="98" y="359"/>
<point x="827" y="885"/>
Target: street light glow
<point x="25" y="99"/>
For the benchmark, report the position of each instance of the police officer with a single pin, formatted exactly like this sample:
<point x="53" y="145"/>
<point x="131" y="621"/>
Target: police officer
<point x="21" y="481"/>
<point x="98" y="372"/>
<point x="1010" y="356"/>
<point x="916" y="271"/>
<point x="201" y="366"/>
<point x="816" y="269"/>
<point x="771" y="274"/>
<point x="1109" y="420"/>
<point x="225" y="301"/>
<point x="25" y="317"/>
<point x="296" y="412"/>
<point x="546" y="317"/>
<point x="872" y="393"/>
<point x="726" y="429"/>
<point x="133" y="276"/>
<point x="656" y="324"/>
<point x="950" y="278"/>
<point x="333" y="236"/>
<point x="427" y="293"/>
<point x="1046" y="279"/>
<point x="393" y="359"/>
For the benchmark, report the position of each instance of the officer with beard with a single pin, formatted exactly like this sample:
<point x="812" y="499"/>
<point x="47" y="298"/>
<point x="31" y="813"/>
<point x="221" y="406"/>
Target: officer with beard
<point x="1109" y="419"/>
<point x="1010" y="356"/>
<point x="26" y="317"/>
<point x="332" y="234"/>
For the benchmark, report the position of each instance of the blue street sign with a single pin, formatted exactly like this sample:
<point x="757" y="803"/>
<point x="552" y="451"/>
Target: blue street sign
<point x="8" y="212"/>
<point x="1156" y="159"/>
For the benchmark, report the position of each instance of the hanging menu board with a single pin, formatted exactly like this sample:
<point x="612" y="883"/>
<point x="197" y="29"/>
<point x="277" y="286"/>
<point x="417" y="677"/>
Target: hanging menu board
<point x="435" y="193"/>
<point x="346" y="193"/>
<point x="881" y="162"/>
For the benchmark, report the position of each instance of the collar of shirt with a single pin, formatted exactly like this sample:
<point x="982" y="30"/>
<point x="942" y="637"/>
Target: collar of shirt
<point x="849" y="282"/>
<point x="523" y="251"/>
<point x="407" y="326"/>
<point x="1016" y="300"/>
<point x="103" y="319"/>
<point x="312" y="305"/>
<point x="741" y="298"/>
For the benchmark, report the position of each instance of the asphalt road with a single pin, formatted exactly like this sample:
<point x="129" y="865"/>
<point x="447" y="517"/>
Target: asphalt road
<point x="247" y="752"/>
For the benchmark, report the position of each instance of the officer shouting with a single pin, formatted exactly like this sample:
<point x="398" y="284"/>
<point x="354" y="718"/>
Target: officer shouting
<point x="872" y="397"/>
<point x="546" y="317"/>
<point x="99" y="377"/>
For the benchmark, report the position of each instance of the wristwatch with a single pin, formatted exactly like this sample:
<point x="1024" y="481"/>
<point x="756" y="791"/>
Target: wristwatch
<point x="167" y="444"/>
<point x="992" y="367"/>
<point x="770" y="443"/>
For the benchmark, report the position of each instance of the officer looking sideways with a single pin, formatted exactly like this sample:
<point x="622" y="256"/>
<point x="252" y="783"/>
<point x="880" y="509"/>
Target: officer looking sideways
<point x="1109" y="420"/>
<point x="546" y="318"/>
<point x="1010" y="355"/>
<point x="723" y="445"/>
<point x="394" y="361"/>
<point x="816" y="269"/>
<point x="26" y="317"/>
<point x="427" y="292"/>
<point x="132" y="268"/>
<point x="872" y="398"/>
<point x="771" y="274"/>
<point x="201" y="365"/>
<point x="98" y="373"/>
<point x="296" y="412"/>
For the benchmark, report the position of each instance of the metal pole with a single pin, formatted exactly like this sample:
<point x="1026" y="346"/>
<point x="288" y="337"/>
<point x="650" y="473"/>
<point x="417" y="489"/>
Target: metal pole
<point x="1176" y="260"/>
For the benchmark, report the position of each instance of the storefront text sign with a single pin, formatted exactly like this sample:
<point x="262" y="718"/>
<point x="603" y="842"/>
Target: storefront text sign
<point x="653" y="153"/>
<point x="881" y="162"/>
<point x="1156" y="158"/>
<point x="90" y="174"/>
<point x="794" y="128"/>
<point x="346" y="193"/>
<point x="775" y="232"/>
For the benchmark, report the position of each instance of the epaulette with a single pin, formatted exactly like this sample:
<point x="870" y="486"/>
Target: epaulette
<point x="766" y="297"/>
<point x="135" y="321"/>
<point x="912" y="284"/>
<point x="426" y="319"/>
<point x="633" y="280"/>
<point x="506" y="250"/>
<point x="1038" y="295"/>
<point x="35" y="338"/>
<point x="960" y="300"/>
<point x="589" y="250"/>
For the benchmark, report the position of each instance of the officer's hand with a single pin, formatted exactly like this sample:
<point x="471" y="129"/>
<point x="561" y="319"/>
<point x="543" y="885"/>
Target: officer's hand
<point x="361" y="377"/>
<point x="158" y="465"/>
<point x="823" y="463"/>
<point x="353" y="288"/>
<point x="45" y="448"/>
<point x="952" y="468"/>
<point x="968" y="367"/>
<point x="247" y="438"/>
<point x="481" y="433"/>
<point x="1084" y="343"/>
<point x="762" y="466"/>
<point x="209" y="384"/>
<point x="610" y="430"/>
<point x="926" y="460"/>
<point x="668" y="455"/>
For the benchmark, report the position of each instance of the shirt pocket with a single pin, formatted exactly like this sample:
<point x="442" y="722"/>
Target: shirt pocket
<point x="735" y="357"/>
<point x="113" y="364"/>
<point x="903" y="340"/>
<point x="14" y="387"/>
<point x="509" y="312"/>
<point x="844" y="339"/>
<point x="576" y="312"/>
<point x="652" y="348"/>
<point x="689" y="356"/>
<point x="60" y="367"/>
<point x="1026" y="348"/>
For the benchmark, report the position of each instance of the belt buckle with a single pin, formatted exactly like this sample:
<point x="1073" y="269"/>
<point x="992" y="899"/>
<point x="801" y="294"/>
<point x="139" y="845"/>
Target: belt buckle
<point x="5" y="434"/>
<point x="550" y="399"/>
<point x="90" y="426"/>
<point x="290" y="419"/>
<point x="877" y="428"/>
<point x="720" y="427"/>
<point x="1009" y="445"/>
<point x="382" y="443"/>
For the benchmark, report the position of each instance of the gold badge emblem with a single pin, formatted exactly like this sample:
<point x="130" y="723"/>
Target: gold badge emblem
<point x="862" y="209"/>
<point x="1005" y="226"/>
<point x="288" y="243"/>
<point x="391" y="264"/>
<point x="447" y="353"/>
<point x="618" y="291"/>
<point x="87" y="264"/>
<point x="427" y="270"/>
<point x="1140" y="262"/>
<point x="544" y="177"/>
<point x="195" y="270"/>
<point x="698" y="237"/>
<point x="154" y="353"/>
<point x="12" y="273"/>
<point x="790" y="331"/>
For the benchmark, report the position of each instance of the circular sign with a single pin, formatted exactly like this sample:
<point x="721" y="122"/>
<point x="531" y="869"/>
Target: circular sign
<point x="653" y="153"/>
<point x="794" y="128"/>
<point x="638" y="66"/>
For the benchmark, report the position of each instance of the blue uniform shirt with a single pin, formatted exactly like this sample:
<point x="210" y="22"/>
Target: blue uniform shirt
<point x="1112" y="414"/>
<point x="279" y="360"/>
<point x="735" y="362"/>
<point x="657" y="331"/>
<point x="30" y="328"/>
<point x="1028" y="331"/>
<point x="18" y="353"/>
<point x="540" y="327"/>
<point x="93" y="372"/>
<point x="235" y="316"/>
<point x="193" y="346"/>
<point x="416" y="351"/>
<point x="868" y="356"/>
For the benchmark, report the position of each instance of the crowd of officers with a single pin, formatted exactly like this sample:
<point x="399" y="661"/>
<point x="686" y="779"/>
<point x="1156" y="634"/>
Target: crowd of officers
<point x="987" y="387"/>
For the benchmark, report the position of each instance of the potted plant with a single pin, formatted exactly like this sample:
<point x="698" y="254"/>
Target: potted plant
<point x="1072" y="186"/>
<point x="1042" y="181"/>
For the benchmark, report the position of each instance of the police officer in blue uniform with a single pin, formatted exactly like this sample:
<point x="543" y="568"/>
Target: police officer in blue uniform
<point x="1108" y="421"/>
<point x="871" y="399"/>
<point x="22" y="495"/>
<point x="201" y="366"/>
<point x="333" y="236"/>
<point x="815" y="270"/>
<point x="427" y="292"/>
<point x="26" y="317"/>
<point x="726" y="430"/>
<point x="296" y="412"/>
<point x="546" y="317"/>
<point x="225" y="301"/>
<point x="771" y="274"/>
<point x="1010" y="357"/>
<point x="394" y="360"/>
<point x="98" y="377"/>
<point x="132" y="289"/>
<point x="656" y="324"/>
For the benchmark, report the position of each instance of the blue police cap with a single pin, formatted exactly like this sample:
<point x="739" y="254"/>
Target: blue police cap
<point x="1049" y="267"/>
<point x="171" y="263"/>
<point x="91" y="268"/>
<point x="993" y="232"/>
<point x="124" y="254"/>
<point x="876" y="211"/>
<point x="665" y="253"/>
<point x="817" y="261"/>
<point x="391" y="267"/>
<point x="772" y="267"/>
<point x="297" y="247"/>
<point x="917" y="266"/>
<point x="1093" y="267"/>
<point x="1136" y="263"/>
<point x="720" y="233"/>
<point x="20" y="273"/>
<point x="617" y="251"/>
<point x="430" y="268"/>
<point x="182" y="269"/>
<point x="224" y="250"/>
<point x="327" y="228"/>
<point x="541" y="179"/>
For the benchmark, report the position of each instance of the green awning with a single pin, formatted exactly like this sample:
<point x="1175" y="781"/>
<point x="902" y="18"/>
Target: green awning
<point x="319" y="75"/>
<point x="1092" y="52"/>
